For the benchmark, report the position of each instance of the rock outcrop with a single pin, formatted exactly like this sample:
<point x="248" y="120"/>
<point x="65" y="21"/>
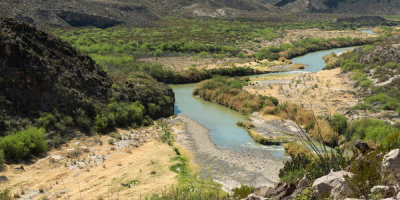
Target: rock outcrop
<point x="280" y="192"/>
<point x="40" y="73"/>
<point x="333" y="185"/>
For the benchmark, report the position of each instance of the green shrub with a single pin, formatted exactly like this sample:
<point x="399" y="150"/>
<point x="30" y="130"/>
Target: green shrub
<point x="338" y="123"/>
<point x="306" y="194"/>
<point x="84" y="123"/>
<point x="294" y="169"/>
<point x="392" y="141"/>
<point x="167" y="137"/>
<point x="153" y="109"/>
<point x="366" y="174"/>
<point x="370" y="129"/>
<point x="101" y="123"/>
<point x="125" y="114"/>
<point x="241" y="192"/>
<point x="2" y="160"/>
<point x="24" y="144"/>
<point x="5" y="195"/>
<point x="158" y="53"/>
<point x="111" y="141"/>
<point x="115" y="135"/>
<point x="389" y="103"/>
<point x="362" y="106"/>
<point x="46" y="120"/>
<point x="349" y="66"/>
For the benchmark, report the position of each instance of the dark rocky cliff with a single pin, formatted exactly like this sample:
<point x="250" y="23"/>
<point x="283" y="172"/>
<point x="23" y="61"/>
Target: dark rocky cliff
<point x="42" y="74"/>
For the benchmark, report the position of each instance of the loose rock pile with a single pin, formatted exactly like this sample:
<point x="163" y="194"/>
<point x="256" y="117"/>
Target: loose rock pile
<point x="335" y="186"/>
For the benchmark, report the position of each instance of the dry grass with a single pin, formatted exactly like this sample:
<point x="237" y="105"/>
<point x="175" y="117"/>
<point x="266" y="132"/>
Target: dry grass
<point x="296" y="113"/>
<point x="297" y="150"/>
<point x="324" y="130"/>
<point x="331" y="60"/>
<point x="324" y="92"/>
<point x="277" y="140"/>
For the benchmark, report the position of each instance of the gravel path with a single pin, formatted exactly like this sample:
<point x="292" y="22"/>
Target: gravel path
<point x="231" y="168"/>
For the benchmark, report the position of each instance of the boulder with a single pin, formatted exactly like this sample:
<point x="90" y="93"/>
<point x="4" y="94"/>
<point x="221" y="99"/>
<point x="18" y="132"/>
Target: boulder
<point x="264" y="191"/>
<point x="384" y="191"/>
<point x="3" y="179"/>
<point x="341" y="191"/>
<point x="391" y="165"/>
<point x="283" y="190"/>
<point x="303" y="184"/>
<point x="324" y="185"/>
<point x="362" y="146"/>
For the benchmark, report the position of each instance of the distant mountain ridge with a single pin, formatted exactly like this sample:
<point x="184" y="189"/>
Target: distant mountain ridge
<point x="103" y="13"/>
<point x="374" y="7"/>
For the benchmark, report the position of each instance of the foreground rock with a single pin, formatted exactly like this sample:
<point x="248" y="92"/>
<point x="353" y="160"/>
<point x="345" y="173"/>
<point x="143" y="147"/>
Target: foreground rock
<point x="281" y="191"/>
<point x="391" y="165"/>
<point x="333" y="185"/>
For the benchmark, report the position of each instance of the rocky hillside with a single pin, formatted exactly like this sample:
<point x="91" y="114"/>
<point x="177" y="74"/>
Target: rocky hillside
<point x="45" y="81"/>
<point x="104" y="14"/>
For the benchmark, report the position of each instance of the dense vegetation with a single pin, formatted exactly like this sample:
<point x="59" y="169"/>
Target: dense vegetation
<point x="308" y="45"/>
<point x="190" y="75"/>
<point x="174" y="36"/>
<point x="117" y="49"/>
<point x="229" y="92"/>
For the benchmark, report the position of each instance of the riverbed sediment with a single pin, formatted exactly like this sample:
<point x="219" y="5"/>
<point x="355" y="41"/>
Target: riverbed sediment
<point x="231" y="168"/>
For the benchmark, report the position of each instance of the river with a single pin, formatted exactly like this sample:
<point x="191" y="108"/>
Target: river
<point x="221" y="121"/>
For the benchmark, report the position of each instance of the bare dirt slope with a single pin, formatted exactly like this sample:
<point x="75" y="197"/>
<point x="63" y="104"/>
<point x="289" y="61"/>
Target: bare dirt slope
<point x="91" y="168"/>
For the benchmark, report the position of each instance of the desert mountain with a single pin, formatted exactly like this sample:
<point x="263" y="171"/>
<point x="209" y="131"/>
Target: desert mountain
<point x="102" y="14"/>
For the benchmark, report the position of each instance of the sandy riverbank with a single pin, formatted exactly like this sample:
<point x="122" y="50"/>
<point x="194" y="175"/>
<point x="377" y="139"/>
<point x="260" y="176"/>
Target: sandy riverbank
<point x="231" y="168"/>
